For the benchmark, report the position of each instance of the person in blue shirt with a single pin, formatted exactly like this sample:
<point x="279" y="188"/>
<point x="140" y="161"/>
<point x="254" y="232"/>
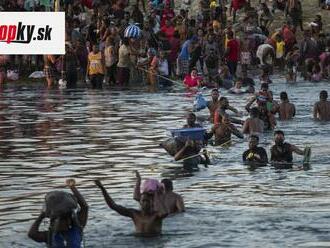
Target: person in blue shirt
<point x="65" y="230"/>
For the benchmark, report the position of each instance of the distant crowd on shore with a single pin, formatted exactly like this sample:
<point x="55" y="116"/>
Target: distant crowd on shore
<point x="119" y="43"/>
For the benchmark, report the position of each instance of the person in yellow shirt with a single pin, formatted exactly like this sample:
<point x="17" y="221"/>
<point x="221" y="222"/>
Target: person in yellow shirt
<point x="280" y="51"/>
<point x="96" y="67"/>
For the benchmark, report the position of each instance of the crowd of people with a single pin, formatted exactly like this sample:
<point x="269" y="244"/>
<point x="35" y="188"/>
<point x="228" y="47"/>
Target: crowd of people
<point x="263" y="110"/>
<point x="205" y="49"/>
<point x="219" y="47"/>
<point x="157" y="199"/>
<point x="68" y="213"/>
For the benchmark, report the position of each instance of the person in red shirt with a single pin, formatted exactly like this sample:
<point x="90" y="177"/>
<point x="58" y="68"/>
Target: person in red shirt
<point x="168" y="29"/>
<point x="192" y="79"/>
<point x="232" y="53"/>
<point x="167" y="14"/>
<point x="288" y="37"/>
<point x="236" y="5"/>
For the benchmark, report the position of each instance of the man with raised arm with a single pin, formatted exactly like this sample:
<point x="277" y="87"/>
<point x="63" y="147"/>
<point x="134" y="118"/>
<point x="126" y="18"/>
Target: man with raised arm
<point x="147" y="221"/>
<point x="281" y="152"/>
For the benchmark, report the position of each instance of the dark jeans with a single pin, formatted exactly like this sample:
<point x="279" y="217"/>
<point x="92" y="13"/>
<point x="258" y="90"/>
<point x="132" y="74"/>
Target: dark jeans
<point x="71" y="78"/>
<point x="232" y="66"/>
<point x="111" y="73"/>
<point x="123" y="75"/>
<point x="96" y="81"/>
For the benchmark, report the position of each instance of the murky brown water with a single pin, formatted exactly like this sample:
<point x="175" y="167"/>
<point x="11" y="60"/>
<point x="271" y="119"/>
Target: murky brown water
<point x="48" y="136"/>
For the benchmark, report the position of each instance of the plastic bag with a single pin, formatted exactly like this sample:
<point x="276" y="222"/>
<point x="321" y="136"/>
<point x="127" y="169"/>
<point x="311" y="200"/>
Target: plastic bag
<point x="37" y="74"/>
<point x="200" y="102"/>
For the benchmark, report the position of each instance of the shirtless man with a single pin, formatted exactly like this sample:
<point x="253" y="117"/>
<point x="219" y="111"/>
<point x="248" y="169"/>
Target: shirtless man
<point x="321" y="111"/>
<point x="172" y="202"/>
<point x="253" y="125"/>
<point x="265" y="105"/>
<point x="285" y="109"/>
<point x="148" y="223"/>
<point x="224" y="105"/>
<point x="213" y="104"/>
<point x="223" y="131"/>
<point x="281" y="152"/>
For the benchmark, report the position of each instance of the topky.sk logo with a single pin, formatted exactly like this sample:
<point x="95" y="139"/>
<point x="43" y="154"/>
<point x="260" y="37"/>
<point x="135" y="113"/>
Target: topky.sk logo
<point x="32" y="33"/>
<point x="21" y="33"/>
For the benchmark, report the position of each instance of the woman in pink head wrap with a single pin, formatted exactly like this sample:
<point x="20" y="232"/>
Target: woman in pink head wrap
<point x="152" y="187"/>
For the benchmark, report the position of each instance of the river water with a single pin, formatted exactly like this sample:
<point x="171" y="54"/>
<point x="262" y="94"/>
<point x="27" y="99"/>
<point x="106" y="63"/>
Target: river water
<point x="47" y="136"/>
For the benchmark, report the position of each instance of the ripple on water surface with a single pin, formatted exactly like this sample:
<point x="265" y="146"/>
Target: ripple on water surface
<point x="48" y="136"/>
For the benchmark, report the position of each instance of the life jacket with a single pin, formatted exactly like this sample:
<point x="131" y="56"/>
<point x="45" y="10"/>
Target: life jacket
<point x="69" y="239"/>
<point x="282" y="154"/>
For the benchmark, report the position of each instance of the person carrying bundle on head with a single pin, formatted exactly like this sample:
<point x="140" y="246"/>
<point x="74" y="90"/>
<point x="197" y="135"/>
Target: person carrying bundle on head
<point x="67" y="220"/>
